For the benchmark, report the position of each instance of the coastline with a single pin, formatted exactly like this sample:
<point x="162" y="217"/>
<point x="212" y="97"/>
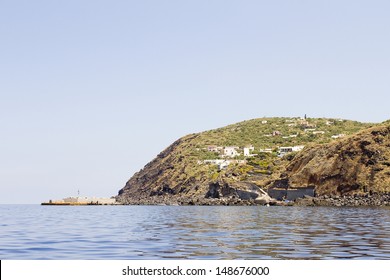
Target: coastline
<point x="326" y="200"/>
<point x="346" y="200"/>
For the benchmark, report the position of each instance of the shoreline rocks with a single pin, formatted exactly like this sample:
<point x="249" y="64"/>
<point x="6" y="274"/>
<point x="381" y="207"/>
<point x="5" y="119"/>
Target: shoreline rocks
<point x="336" y="201"/>
<point x="346" y="200"/>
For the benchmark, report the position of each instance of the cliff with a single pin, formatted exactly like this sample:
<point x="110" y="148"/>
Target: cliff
<point x="357" y="164"/>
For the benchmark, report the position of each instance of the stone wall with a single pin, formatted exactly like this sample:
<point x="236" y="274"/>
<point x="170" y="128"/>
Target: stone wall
<point x="290" y="194"/>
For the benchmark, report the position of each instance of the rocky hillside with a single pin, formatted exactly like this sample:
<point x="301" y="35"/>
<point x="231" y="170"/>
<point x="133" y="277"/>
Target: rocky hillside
<point x="196" y="169"/>
<point x="358" y="164"/>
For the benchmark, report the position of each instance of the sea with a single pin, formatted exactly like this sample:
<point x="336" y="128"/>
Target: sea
<point x="34" y="232"/>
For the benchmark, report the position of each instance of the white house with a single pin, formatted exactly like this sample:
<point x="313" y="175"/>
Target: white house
<point x="338" y="136"/>
<point x="230" y="151"/>
<point x="267" y="150"/>
<point x="298" y="148"/>
<point x="247" y="150"/>
<point x="285" y="150"/>
<point x="212" y="161"/>
<point x="222" y="163"/>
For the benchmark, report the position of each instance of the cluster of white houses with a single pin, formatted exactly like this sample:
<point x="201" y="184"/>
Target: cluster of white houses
<point x="229" y="152"/>
<point x="307" y="127"/>
<point x="227" y="155"/>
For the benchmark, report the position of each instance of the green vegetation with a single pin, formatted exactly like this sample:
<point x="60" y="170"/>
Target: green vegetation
<point x="264" y="133"/>
<point x="259" y="134"/>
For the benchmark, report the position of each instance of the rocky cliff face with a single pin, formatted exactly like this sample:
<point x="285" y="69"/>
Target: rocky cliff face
<point x="356" y="165"/>
<point x="163" y="177"/>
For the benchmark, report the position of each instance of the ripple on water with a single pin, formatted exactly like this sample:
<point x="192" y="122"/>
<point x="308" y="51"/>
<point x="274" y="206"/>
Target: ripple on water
<point x="156" y="232"/>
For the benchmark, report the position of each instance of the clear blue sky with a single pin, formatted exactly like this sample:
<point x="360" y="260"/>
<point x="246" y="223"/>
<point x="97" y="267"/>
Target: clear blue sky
<point x="92" y="90"/>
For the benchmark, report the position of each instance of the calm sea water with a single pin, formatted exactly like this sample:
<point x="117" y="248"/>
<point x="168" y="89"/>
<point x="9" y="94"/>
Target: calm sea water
<point x="193" y="232"/>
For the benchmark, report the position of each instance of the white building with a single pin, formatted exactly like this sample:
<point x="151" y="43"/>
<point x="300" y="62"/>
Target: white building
<point x="230" y="151"/>
<point x="222" y="163"/>
<point x="285" y="150"/>
<point x="298" y="148"/>
<point x="212" y="161"/>
<point x="248" y="150"/>
<point x="338" y="136"/>
<point x="267" y="150"/>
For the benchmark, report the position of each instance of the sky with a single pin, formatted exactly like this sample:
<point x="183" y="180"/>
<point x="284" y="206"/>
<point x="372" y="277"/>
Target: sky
<point x="92" y="90"/>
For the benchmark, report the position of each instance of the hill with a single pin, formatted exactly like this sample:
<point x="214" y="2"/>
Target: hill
<point x="231" y="164"/>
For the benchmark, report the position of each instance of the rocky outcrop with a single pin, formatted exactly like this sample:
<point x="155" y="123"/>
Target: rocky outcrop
<point x="169" y="180"/>
<point x="161" y="177"/>
<point x="241" y="191"/>
<point x="359" y="164"/>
